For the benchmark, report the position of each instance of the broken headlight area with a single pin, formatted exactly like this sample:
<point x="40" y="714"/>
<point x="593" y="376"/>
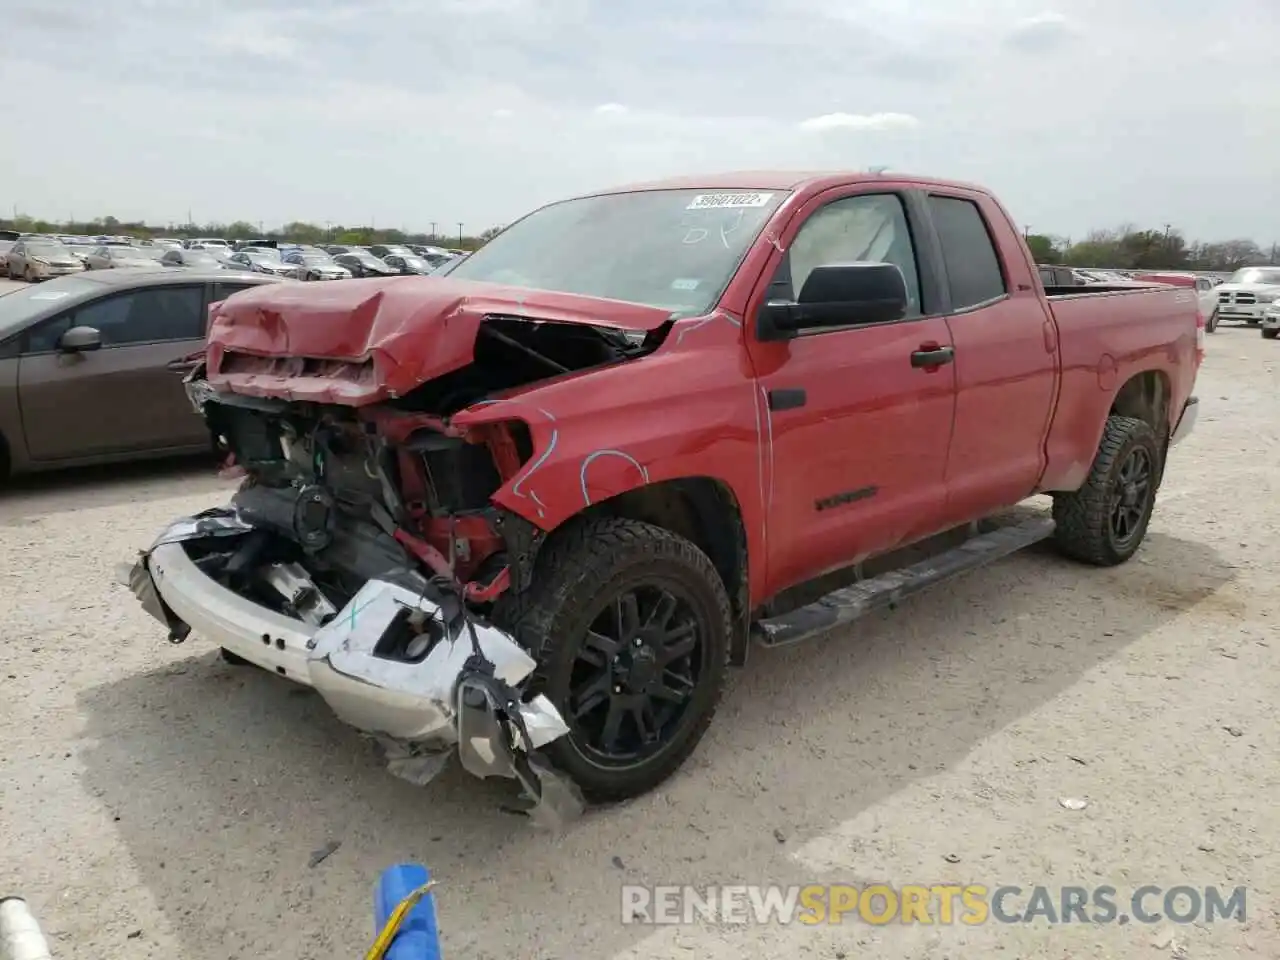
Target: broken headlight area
<point x="400" y="657"/>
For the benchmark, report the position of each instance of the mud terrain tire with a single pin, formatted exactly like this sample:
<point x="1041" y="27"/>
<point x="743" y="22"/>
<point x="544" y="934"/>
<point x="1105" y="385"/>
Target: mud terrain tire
<point x="1087" y="518"/>
<point x="583" y="575"/>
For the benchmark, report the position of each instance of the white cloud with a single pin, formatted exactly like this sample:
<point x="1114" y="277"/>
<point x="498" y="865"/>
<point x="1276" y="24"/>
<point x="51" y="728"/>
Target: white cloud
<point x="859" y="121"/>
<point x="384" y="113"/>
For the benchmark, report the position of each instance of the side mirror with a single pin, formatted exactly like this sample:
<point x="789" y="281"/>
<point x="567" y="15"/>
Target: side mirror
<point x="80" y="340"/>
<point x="838" y="295"/>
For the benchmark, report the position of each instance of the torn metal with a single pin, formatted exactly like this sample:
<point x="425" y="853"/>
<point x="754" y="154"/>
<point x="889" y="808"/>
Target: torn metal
<point x="403" y="660"/>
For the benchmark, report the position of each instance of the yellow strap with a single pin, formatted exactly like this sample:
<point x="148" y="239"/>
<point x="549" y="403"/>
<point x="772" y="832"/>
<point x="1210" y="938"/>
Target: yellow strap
<point x="382" y="943"/>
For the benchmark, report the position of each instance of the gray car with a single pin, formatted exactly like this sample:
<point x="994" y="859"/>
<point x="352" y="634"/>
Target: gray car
<point x="92" y="366"/>
<point x="316" y="266"/>
<point x="115" y="256"/>
<point x="194" y="259"/>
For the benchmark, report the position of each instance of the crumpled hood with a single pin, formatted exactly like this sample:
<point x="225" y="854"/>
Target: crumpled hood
<point x="365" y="341"/>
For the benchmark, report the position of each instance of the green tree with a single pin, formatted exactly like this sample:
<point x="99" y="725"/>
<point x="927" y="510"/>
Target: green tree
<point x="1043" y="248"/>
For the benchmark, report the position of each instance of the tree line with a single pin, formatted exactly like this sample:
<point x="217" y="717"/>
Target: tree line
<point x="297" y="232"/>
<point x="1124" y="248"/>
<point x="1130" y="248"/>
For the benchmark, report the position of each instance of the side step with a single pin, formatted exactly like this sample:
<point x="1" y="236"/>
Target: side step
<point x="849" y="603"/>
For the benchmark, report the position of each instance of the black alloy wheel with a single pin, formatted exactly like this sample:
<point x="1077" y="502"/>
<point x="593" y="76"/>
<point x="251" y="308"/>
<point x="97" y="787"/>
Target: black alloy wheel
<point x="634" y="674"/>
<point x="1130" y="500"/>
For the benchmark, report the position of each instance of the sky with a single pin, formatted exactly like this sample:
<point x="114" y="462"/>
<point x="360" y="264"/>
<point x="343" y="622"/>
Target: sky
<point x="1081" y="115"/>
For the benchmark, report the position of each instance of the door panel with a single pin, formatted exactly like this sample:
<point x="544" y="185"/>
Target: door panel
<point x="857" y="452"/>
<point x="124" y="396"/>
<point x="1005" y="366"/>
<point x="860" y="467"/>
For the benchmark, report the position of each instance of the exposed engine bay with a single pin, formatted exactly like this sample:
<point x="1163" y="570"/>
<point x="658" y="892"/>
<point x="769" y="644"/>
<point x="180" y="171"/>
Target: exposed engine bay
<point x="362" y="555"/>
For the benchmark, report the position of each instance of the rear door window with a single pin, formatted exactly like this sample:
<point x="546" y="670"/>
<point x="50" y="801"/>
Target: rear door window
<point x="968" y="252"/>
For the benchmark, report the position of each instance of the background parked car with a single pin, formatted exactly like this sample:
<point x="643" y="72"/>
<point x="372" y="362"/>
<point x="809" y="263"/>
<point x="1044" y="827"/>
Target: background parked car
<point x="315" y="266"/>
<point x="91" y="366"/>
<point x="261" y="261"/>
<point x="384" y="250"/>
<point x="112" y="257"/>
<point x="197" y="259"/>
<point x="408" y="265"/>
<point x="362" y="263"/>
<point x="33" y="260"/>
<point x="334" y="249"/>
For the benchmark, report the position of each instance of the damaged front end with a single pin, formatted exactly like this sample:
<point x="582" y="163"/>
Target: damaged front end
<point x="364" y="555"/>
<point x="360" y="557"/>
<point x="403" y="660"/>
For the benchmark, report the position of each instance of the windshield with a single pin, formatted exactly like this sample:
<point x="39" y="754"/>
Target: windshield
<point x="27" y="303"/>
<point x="416" y="262"/>
<point x="675" y="249"/>
<point x="1256" y="275"/>
<point x="364" y="256"/>
<point x="47" y="250"/>
<point x="200" y="260"/>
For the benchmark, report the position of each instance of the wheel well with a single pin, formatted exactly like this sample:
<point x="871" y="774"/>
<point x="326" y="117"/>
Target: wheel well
<point x="1145" y="397"/>
<point x="706" y="513"/>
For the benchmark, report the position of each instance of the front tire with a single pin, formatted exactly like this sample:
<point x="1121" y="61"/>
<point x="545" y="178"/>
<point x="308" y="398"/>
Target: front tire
<point x="1211" y="325"/>
<point x="1105" y="521"/>
<point x="630" y="625"/>
<point x="1270" y="333"/>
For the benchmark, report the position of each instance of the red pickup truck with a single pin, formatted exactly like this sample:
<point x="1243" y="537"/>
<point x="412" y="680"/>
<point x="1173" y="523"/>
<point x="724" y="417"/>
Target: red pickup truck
<point x="530" y="510"/>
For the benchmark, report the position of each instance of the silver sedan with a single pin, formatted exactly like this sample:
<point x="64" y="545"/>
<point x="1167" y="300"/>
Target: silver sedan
<point x="117" y="255"/>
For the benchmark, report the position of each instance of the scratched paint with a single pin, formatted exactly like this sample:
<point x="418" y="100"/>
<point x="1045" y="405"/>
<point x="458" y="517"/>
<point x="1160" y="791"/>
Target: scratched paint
<point x="698" y="325"/>
<point x="527" y="473"/>
<point x="755" y="405"/>
<point x="768" y="441"/>
<point x="596" y="455"/>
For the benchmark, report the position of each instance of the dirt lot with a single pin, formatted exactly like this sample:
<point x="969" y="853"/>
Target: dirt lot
<point x="155" y="802"/>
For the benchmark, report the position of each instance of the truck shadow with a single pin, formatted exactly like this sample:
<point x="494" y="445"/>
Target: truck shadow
<point x="226" y="780"/>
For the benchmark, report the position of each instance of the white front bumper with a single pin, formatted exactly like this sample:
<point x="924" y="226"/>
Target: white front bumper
<point x="1241" y="311"/>
<point x="263" y="637"/>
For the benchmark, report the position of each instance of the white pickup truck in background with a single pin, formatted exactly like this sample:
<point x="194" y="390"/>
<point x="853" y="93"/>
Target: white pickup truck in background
<point x="1248" y="294"/>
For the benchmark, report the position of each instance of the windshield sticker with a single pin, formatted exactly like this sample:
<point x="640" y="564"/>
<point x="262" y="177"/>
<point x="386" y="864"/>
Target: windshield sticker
<point x="49" y="295"/>
<point x="729" y="201"/>
<point x="685" y="284"/>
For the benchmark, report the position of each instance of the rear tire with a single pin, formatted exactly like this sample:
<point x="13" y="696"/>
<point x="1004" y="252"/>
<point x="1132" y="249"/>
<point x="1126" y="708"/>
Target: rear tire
<point x="1211" y="325"/>
<point x="630" y="625"/>
<point x="1270" y="334"/>
<point x="1105" y="521"/>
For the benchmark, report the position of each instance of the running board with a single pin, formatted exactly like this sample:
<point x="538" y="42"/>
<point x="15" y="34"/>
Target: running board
<point x="886" y="590"/>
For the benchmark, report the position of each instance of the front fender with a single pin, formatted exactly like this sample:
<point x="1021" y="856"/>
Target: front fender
<point x="613" y="430"/>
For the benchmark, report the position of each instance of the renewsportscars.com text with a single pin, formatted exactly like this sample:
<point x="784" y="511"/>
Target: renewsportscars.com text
<point x="974" y="904"/>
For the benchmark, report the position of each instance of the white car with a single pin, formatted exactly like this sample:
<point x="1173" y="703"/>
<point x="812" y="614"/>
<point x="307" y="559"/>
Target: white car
<point x="1248" y="294"/>
<point x="1271" y="321"/>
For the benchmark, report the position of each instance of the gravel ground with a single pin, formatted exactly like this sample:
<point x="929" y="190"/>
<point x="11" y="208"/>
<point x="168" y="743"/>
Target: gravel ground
<point x="155" y="802"/>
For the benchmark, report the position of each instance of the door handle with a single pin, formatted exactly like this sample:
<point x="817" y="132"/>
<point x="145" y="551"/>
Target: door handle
<point x="932" y="356"/>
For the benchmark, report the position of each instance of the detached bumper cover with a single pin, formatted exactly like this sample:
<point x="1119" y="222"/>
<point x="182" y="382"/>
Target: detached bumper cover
<point x="1187" y="422"/>
<point x="463" y="693"/>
